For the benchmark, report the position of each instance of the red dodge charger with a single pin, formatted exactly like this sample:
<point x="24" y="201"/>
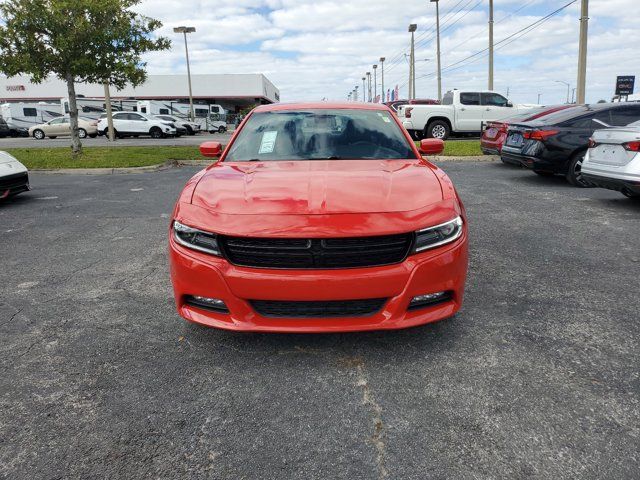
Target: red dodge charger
<point x="319" y="217"/>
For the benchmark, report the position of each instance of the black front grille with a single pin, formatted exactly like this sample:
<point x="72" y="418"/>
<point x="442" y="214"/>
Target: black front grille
<point x="307" y="253"/>
<point x="15" y="182"/>
<point x="315" y="309"/>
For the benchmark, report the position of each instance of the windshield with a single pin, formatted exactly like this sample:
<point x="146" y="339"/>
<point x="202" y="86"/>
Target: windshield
<point x="320" y="134"/>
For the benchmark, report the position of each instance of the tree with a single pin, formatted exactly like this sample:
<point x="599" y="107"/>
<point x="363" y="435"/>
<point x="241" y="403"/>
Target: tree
<point x="93" y="41"/>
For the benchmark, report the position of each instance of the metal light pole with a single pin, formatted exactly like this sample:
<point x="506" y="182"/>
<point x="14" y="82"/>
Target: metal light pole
<point x="369" y="86"/>
<point x="582" y="52"/>
<point x="355" y="94"/>
<point x="364" y="89"/>
<point x="375" y="83"/>
<point x="382" y="59"/>
<point x="412" y="63"/>
<point x="539" y="95"/>
<point x="568" y="87"/>
<point x="184" y="31"/>
<point x="438" y="49"/>
<point x="490" y="44"/>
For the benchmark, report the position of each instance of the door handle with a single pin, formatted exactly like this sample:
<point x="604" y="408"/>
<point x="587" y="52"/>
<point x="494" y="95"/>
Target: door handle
<point x="462" y="109"/>
<point x="488" y="109"/>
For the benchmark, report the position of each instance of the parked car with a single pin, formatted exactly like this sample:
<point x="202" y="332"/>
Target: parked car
<point x="557" y="143"/>
<point x="217" y="126"/>
<point x="613" y="160"/>
<point x="14" y="177"/>
<point x="133" y="124"/>
<point x="61" y="126"/>
<point x="17" y="131"/>
<point x="319" y="217"/>
<point x="495" y="132"/>
<point x="190" y="128"/>
<point x="460" y="112"/>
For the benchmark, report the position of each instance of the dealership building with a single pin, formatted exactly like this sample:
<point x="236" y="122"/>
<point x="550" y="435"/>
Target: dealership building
<point x="234" y="92"/>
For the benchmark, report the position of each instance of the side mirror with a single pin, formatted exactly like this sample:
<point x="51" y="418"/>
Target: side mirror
<point x="509" y="104"/>
<point x="431" y="146"/>
<point x="211" y="149"/>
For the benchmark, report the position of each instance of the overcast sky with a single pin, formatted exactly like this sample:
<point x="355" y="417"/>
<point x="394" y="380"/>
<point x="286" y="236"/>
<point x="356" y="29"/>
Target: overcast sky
<point x="311" y="49"/>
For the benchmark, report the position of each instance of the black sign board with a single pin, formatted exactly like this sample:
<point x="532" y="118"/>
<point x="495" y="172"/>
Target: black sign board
<point x="624" y="85"/>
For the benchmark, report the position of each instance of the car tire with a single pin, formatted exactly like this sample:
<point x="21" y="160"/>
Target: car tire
<point x="222" y="129"/>
<point x="116" y="134"/>
<point x="82" y="133"/>
<point x="544" y="173"/>
<point x="574" y="173"/>
<point x="155" y="132"/>
<point x="189" y="130"/>
<point x="93" y="135"/>
<point x="632" y="196"/>
<point x="438" y="129"/>
<point x="38" y="134"/>
<point x="52" y="137"/>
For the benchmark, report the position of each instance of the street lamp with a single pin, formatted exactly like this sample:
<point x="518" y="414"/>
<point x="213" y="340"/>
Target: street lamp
<point x="382" y="59"/>
<point x="364" y="90"/>
<point x="438" y="48"/>
<point x="184" y="30"/>
<point x="369" y="85"/>
<point x="412" y="63"/>
<point x="568" y="87"/>
<point x="355" y="93"/>
<point x="375" y="83"/>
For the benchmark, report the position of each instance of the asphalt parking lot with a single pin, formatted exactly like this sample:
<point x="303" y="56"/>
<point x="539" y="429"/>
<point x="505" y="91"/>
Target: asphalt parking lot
<point x="537" y="377"/>
<point x="28" y="142"/>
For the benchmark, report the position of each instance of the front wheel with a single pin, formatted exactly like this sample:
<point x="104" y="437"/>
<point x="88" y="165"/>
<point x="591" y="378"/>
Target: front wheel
<point x="189" y="130"/>
<point x="82" y="133"/>
<point x="155" y="132"/>
<point x="574" y="174"/>
<point x="222" y="129"/>
<point x="438" y="129"/>
<point x="38" y="134"/>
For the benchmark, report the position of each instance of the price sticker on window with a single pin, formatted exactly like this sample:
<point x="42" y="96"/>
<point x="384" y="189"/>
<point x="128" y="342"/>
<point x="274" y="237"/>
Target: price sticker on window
<point x="268" y="142"/>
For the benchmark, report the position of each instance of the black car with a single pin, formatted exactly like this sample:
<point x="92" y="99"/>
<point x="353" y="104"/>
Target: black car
<point x="10" y="130"/>
<point x="557" y="143"/>
<point x="4" y="128"/>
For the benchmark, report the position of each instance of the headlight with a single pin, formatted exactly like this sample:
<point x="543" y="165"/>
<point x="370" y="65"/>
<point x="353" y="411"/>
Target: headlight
<point x="438" y="235"/>
<point x="195" y="239"/>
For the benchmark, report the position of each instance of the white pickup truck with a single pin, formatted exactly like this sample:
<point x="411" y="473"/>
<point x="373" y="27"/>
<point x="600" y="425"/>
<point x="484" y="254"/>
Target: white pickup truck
<point x="459" y="112"/>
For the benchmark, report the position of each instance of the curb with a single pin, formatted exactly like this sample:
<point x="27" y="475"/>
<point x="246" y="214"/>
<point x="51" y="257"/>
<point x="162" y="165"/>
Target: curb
<point x="471" y="158"/>
<point x="107" y="171"/>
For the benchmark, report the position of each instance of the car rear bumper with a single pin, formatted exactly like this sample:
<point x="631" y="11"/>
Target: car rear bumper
<point x="439" y="270"/>
<point x="629" y="185"/>
<point x="533" y="163"/>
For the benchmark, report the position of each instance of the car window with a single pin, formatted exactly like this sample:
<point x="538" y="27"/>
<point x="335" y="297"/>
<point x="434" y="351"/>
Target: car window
<point x="468" y="98"/>
<point x="56" y="121"/>
<point x="135" y="116"/>
<point x="320" y="134"/>
<point x="30" y="112"/>
<point x="622" y="116"/>
<point x="164" y="111"/>
<point x="119" y="116"/>
<point x="494" y="99"/>
<point x="447" y="99"/>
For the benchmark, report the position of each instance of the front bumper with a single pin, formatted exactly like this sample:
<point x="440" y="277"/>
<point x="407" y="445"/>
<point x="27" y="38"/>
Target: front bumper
<point x="440" y="269"/>
<point x="13" y="184"/>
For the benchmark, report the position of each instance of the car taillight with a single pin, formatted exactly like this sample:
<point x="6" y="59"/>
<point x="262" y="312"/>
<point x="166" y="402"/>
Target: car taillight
<point x="539" y="134"/>
<point x="632" y="146"/>
<point x="592" y="143"/>
<point x="407" y="112"/>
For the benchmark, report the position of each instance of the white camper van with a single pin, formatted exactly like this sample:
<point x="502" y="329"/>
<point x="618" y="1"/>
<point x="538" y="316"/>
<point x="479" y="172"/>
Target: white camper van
<point x="27" y="114"/>
<point x="210" y="117"/>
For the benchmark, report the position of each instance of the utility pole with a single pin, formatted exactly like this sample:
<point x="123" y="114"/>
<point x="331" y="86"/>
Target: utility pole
<point x="438" y="49"/>
<point x="490" y="44"/>
<point x="412" y="63"/>
<point x="582" y="52"/>
<point x="185" y="30"/>
<point x="369" y="86"/>
<point x="107" y="104"/>
<point x="573" y="95"/>
<point x="375" y="83"/>
<point x="382" y="59"/>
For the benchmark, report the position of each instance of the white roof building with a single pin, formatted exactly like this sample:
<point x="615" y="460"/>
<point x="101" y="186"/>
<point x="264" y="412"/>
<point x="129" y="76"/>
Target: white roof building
<point x="233" y="91"/>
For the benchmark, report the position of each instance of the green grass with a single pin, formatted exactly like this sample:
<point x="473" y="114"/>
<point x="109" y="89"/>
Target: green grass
<point x="460" y="148"/>
<point x="107" y="157"/>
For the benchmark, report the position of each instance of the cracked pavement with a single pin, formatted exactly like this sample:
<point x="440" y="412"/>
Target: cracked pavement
<point x="537" y="377"/>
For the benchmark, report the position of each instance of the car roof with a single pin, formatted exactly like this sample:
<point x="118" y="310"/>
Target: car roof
<point x="274" y="107"/>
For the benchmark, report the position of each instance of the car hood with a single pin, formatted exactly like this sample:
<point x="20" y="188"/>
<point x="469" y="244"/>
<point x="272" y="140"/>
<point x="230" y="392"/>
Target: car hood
<point x="317" y="187"/>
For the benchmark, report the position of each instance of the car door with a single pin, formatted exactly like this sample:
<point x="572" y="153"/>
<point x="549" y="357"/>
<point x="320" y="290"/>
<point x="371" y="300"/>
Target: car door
<point x="496" y="107"/>
<point x="120" y="122"/>
<point x="137" y="123"/>
<point x="469" y="112"/>
<point x="54" y="127"/>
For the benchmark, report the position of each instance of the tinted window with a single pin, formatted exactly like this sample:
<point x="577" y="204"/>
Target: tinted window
<point x="494" y="99"/>
<point x="215" y="109"/>
<point x="447" y="99"/>
<point x="320" y="134"/>
<point x="201" y="112"/>
<point x="164" y="111"/>
<point x="30" y="112"/>
<point x="470" y="98"/>
<point x="135" y="116"/>
<point x="623" y="116"/>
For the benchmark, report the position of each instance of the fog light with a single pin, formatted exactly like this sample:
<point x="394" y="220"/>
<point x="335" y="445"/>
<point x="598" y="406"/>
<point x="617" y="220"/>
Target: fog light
<point x="214" y="304"/>
<point x="427" y="299"/>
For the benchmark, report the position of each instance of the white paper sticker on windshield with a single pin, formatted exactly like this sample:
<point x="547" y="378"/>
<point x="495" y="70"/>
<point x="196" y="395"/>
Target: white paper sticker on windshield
<point x="386" y="119"/>
<point x="268" y="142"/>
